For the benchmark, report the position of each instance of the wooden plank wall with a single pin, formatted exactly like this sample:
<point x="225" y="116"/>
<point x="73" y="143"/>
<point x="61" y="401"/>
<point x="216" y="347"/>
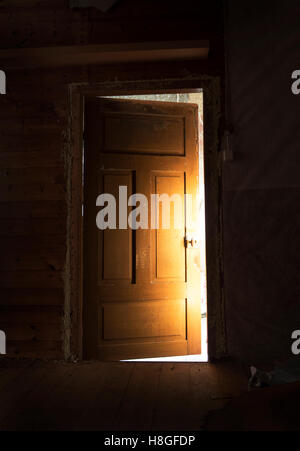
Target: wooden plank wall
<point x="32" y="215"/>
<point x="34" y="121"/>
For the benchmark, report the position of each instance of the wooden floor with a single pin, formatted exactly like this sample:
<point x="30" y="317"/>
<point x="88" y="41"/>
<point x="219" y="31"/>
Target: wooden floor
<point x="39" y="395"/>
<point x="270" y="409"/>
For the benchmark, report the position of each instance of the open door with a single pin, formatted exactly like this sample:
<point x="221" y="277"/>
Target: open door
<point x="141" y="287"/>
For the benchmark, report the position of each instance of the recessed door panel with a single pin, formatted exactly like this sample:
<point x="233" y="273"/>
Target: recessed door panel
<point x="144" y="320"/>
<point x="169" y="260"/>
<point x="115" y="246"/>
<point x="144" y="134"/>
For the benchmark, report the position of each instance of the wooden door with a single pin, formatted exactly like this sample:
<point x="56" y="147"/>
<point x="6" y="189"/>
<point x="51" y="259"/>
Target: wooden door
<point x="141" y="295"/>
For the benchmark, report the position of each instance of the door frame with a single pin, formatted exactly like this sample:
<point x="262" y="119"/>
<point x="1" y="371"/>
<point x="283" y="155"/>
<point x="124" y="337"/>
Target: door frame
<point x="211" y="87"/>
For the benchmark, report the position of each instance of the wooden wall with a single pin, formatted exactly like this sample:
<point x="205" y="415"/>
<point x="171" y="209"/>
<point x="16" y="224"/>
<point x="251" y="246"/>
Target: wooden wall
<point x="36" y="23"/>
<point x="32" y="215"/>
<point x="34" y="132"/>
<point x="261" y="185"/>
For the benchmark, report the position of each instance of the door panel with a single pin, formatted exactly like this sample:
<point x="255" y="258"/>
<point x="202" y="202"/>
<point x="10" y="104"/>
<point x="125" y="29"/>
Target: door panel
<point x="141" y="287"/>
<point x="144" y="320"/>
<point x="165" y="134"/>
<point x="115" y="247"/>
<point x="169" y="254"/>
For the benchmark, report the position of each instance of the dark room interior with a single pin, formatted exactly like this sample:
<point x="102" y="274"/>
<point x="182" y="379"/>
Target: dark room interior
<point x="149" y="217"/>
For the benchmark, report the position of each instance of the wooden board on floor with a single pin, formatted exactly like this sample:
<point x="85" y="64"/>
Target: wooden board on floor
<point x="113" y="396"/>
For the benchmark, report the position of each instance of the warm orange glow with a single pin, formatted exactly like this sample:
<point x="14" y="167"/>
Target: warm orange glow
<point x="198" y="99"/>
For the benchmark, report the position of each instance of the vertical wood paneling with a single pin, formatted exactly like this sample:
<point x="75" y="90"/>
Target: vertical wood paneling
<point x="33" y="214"/>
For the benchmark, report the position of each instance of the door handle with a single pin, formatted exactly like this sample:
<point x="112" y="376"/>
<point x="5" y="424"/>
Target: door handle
<point x="191" y="242"/>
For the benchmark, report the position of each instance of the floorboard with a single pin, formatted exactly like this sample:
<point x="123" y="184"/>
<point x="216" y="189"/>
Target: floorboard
<point x="38" y="395"/>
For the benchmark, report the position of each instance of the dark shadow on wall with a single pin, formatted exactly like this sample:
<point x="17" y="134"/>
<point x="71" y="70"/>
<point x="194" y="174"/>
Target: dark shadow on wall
<point x="262" y="184"/>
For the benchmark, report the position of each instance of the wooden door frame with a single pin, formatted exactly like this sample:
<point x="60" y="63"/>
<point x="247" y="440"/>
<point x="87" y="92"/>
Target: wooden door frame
<point x="211" y="87"/>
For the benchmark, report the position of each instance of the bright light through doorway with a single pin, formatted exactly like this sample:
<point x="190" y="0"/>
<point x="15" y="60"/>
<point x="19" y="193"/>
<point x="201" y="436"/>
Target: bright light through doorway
<point x="197" y="98"/>
<point x="185" y="358"/>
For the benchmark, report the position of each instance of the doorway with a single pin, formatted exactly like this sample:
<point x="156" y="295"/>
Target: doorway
<point x="130" y="320"/>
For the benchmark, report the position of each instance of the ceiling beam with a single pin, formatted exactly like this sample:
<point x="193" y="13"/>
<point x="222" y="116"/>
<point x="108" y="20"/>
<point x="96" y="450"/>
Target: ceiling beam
<point x="103" y="5"/>
<point x="27" y="58"/>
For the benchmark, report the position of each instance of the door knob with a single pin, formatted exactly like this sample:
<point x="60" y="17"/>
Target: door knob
<point x="191" y="242"/>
